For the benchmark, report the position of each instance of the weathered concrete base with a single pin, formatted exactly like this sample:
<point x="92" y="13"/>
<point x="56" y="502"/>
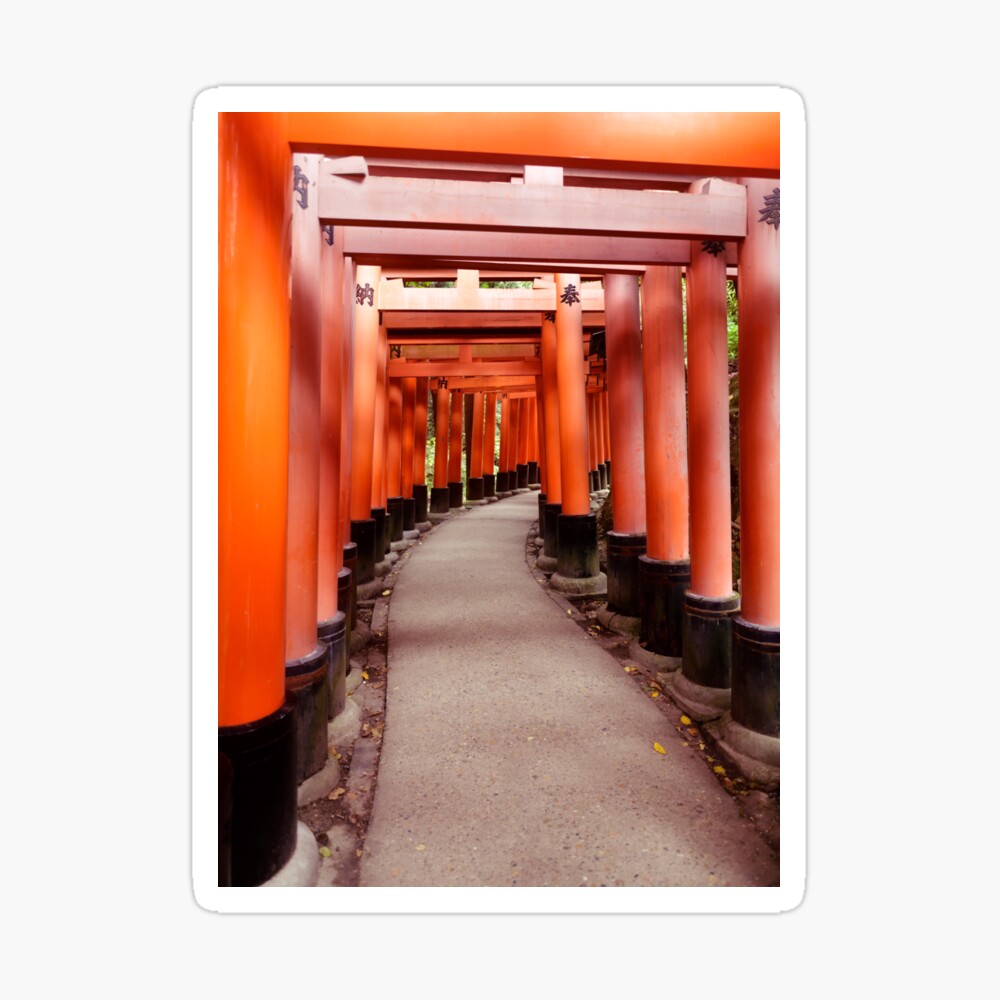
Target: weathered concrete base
<point x="591" y="586"/>
<point x="700" y="702"/>
<point x="657" y="661"/>
<point x="402" y="545"/>
<point x="360" y="637"/>
<point x="623" y="624"/>
<point x="381" y="569"/>
<point x="438" y="518"/>
<point x="343" y="731"/>
<point x="412" y="534"/>
<point x="492" y="499"/>
<point x="757" y="756"/>
<point x="424" y="526"/>
<point x="534" y="487"/>
<point x="547" y="564"/>
<point x="476" y="503"/>
<point x="302" y="867"/>
<point x="370" y="589"/>
<point x="503" y="495"/>
<point x="320" y="784"/>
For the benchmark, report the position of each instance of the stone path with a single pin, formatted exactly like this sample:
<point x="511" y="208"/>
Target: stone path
<point x="517" y="752"/>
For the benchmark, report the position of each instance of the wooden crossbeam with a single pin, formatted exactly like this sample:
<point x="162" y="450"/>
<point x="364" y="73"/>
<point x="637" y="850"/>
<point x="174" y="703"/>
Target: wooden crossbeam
<point x="436" y="367"/>
<point x="393" y="296"/>
<point x="486" y="322"/>
<point x="415" y="203"/>
<point x="487" y="249"/>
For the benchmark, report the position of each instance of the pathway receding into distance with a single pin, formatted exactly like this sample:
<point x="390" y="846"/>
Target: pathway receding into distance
<point x="518" y="752"/>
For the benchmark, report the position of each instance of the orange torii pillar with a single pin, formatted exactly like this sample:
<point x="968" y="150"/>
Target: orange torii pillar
<point x="503" y="478"/>
<point x="332" y="604"/>
<point x="256" y="724"/>
<point x="578" y="570"/>
<point x="347" y="579"/>
<point x="627" y="542"/>
<point x="752" y="736"/>
<point x="307" y="660"/>
<point x="409" y="386"/>
<point x="521" y="457"/>
<point x="665" y="569"/>
<point x="490" y="447"/>
<point x="474" y="485"/>
<point x="542" y="460"/>
<point x="440" y="491"/>
<point x="455" y="452"/>
<point x="420" y="511"/>
<point x="547" y="560"/>
<point x="593" y="476"/>
<point x="606" y="432"/>
<point x="364" y="530"/>
<point x="532" y="452"/>
<point x="379" y="500"/>
<point x="602" y="454"/>
<point x="701" y="687"/>
<point x="394" y="460"/>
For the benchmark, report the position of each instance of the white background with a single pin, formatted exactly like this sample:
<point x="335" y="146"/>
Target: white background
<point x="95" y="397"/>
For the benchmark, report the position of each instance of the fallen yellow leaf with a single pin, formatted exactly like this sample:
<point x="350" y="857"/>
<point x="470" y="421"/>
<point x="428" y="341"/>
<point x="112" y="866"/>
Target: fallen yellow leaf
<point x="658" y="748"/>
<point x="569" y="611"/>
<point x="421" y="847"/>
<point x="336" y="793"/>
<point x="386" y="593"/>
<point x="364" y="675"/>
<point x="719" y="769"/>
<point x="685" y="721"/>
<point x="326" y="852"/>
<point x="654" y="694"/>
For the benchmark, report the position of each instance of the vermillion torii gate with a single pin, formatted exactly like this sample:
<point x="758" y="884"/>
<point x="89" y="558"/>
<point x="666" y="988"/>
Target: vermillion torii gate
<point x="471" y="224"/>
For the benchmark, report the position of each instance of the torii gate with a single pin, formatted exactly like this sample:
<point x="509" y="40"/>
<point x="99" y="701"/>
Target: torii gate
<point x="398" y="220"/>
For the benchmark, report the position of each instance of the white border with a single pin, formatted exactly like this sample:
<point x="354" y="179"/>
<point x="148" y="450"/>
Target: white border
<point x="204" y="588"/>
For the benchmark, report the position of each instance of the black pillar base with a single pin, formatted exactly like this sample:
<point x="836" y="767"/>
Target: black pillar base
<point x="440" y="499"/>
<point x="345" y="595"/>
<point x="503" y="483"/>
<point x="707" y="627"/>
<point x="225" y="821"/>
<point x="306" y="681"/>
<point x="263" y="822"/>
<point x="602" y="475"/>
<point x="381" y="533"/>
<point x="607" y="467"/>
<point x="363" y="535"/>
<point x="541" y="516"/>
<point x="454" y="495"/>
<point x="419" y="503"/>
<point x="351" y="565"/>
<point x="409" y="514"/>
<point x="595" y="481"/>
<point x="474" y="488"/>
<point x="333" y="632"/>
<point x="756" y="677"/>
<point x="552" y="512"/>
<point x="489" y="485"/>
<point x="522" y="477"/>
<point x="576" y="545"/>
<point x="623" y="572"/>
<point x="395" y="510"/>
<point x="532" y="472"/>
<point x="662" y="585"/>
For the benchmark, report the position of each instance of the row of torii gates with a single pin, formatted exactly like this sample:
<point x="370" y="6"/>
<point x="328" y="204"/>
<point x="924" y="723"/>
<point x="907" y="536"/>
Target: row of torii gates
<point x="328" y="363"/>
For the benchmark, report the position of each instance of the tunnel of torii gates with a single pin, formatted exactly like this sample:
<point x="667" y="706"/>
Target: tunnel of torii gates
<point x="329" y="361"/>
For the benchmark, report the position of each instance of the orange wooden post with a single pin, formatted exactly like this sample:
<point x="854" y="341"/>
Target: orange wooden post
<point x="256" y="721"/>
<point x="332" y="604"/>
<point x="363" y="441"/>
<point x="532" y="452"/>
<point x="490" y="447"/>
<point x="627" y="542"/>
<point x="542" y="458"/>
<point x="420" y="509"/>
<point x="394" y="459"/>
<point x="547" y="559"/>
<point x="521" y="458"/>
<point x="578" y="571"/>
<point x="665" y="569"/>
<point x="306" y="658"/>
<point x="348" y="578"/>
<point x="455" y="452"/>
<point x="379" y="498"/>
<point x="503" y="478"/>
<point x="409" y="386"/>
<point x="702" y="686"/>
<point x="474" y="485"/>
<point x="602" y="453"/>
<point x="754" y="731"/>
<point x="595" y="481"/>
<point x="440" y="492"/>
<point x="606" y="432"/>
